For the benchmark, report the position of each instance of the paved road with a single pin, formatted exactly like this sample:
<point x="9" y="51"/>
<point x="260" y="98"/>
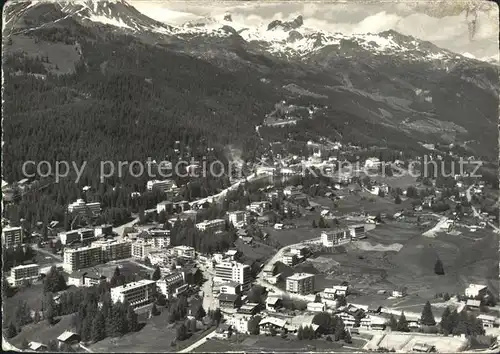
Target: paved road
<point x="56" y="257"/>
<point x="198" y="342"/>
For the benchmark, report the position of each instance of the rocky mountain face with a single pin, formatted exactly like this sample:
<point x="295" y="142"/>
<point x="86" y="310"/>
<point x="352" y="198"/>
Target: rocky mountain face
<point x="388" y="81"/>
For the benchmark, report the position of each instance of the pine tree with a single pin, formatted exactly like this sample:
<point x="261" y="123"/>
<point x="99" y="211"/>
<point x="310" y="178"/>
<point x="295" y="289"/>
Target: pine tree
<point x="11" y="331"/>
<point x="300" y="333"/>
<point x="181" y="332"/>
<point x="154" y="311"/>
<point x="397" y="200"/>
<point x="50" y="311"/>
<point x="446" y="322"/>
<point x="131" y="319"/>
<point x="427" y="318"/>
<point x="403" y="324"/>
<point x="339" y="330"/>
<point x="156" y="274"/>
<point x="98" y="327"/>
<point x="347" y="336"/>
<point x="438" y="267"/>
<point x="317" y="298"/>
<point x="393" y="323"/>
<point x="314" y="225"/>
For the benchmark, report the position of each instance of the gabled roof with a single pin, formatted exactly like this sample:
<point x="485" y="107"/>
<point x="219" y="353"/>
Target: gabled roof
<point x="66" y="335"/>
<point x="36" y="345"/>
<point x="278" y="322"/>
<point x="272" y="300"/>
<point x="475" y="303"/>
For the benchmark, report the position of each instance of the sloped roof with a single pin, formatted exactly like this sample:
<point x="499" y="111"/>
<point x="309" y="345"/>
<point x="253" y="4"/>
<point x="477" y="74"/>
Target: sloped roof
<point x="66" y="335"/>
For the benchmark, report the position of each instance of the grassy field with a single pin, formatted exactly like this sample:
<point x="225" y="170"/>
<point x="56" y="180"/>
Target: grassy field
<point x="245" y="343"/>
<point x="255" y="251"/>
<point x="42" y="332"/>
<point x="292" y="236"/>
<point x="468" y="258"/>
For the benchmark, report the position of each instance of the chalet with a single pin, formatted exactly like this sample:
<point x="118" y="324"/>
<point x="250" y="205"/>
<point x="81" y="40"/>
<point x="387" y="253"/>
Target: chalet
<point x="249" y="308"/>
<point x="37" y="347"/>
<point x="85" y="279"/>
<point x="224" y="331"/>
<point x="475" y="290"/>
<point x="275" y="279"/>
<point x="351" y="317"/>
<point x="473" y="304"/>
<point x="372" y="322"/>
<point x="374" y="309"/>
<point x="401" y="292"/>
<point x="238" y="322"/>
<point x="68" y="337"/>
<point x="267" y="324"/>
<point x="316" y="307"/>
<point x="488" y="321"/>
<point x="273" y="303"/>
<point x="413" y="323"/>
<point x="229" y="301"/>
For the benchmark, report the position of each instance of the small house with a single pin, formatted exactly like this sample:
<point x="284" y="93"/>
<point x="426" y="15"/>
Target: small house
<point x="316" y="307"/>
<point x="269" y="323"/>
<point x="273" y="303"/>
<point x="473" y="304"/>
<point x="488" y="321"/>
<point x="68" y="337"/>
<point x="229" y="301"/>
<point x="37" y="347"/>
<point x="224" y="331"/>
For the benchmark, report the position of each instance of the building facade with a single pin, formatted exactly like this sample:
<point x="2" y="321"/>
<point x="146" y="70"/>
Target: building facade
<point x="114" y="249"/>
<point x="335" y="237"/>
<point x="212" y="225"/>
<point x="300" y="283"/>
<point x="82" y="208"/>
<point x="172" y="285"/>
<point x="137" y="294"/>
<point x="77" y="235"/>
<point x="238" y="218"/>
<point x="23" y="273"/>
<point x="233" y="271"/>
<point x="12" y="237"/>
<point x="182" y="252"/>
<point x="140" y="249"/>
<point x="82" y="257"/>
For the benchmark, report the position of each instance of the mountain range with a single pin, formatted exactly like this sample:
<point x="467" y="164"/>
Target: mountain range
<point x="384" y="89"/>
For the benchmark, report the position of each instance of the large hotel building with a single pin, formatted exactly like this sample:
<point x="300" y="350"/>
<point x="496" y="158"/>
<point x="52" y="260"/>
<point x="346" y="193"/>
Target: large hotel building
<point x="138" y="294"/>
<point x="83" y="257"/>
<point x="22" y="273"/>
<point x="113" y="249"/>
<point x="233" y="271"/>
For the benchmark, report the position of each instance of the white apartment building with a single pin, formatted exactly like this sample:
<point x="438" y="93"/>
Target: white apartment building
<point x="160" y="258"/>
<point x="238" y="218"/>
<point x="77" y="235"/>
<point x="164" y="185"/>
<point x="12" y="236"/>
<point x="158" y="238"/>
<point x="80" y="207"/>
<point x="172" y="284"/>
<point x="114" y="249"/>
<point x="141" y="249"/>
<point x="300" y="283"/>
<point x="233" y="271"/>
<point x="335" y="237"/>
<point x="182" y="251"/>
<point x="22" y="273"/>
<point x="316" y="307"/>
<point x="212" y="225"/>
<point x="290" y="259"/>
<point x="337" y="290"/>
<point x="476" y="290"/>
<point x="82" y="257"/>
<point x="138" y="294"/>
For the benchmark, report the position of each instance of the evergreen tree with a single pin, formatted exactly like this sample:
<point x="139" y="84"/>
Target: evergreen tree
<point x="427" y="318"/>
<point x="445" y="324"/>
<point x="393" y="323"/>
<point x="154" y="311"/>
<point x="314" y="225"/>
<point x="438" y="267"/>
<point x="50" y="311"/>
<point x="181" y="332"/>
<point x="253" y="325"/>
<point x="131" y="319"/>
<point x="317" y="298"/>
<point x="300" y="333"/>
<point x="156" y="274"/>
<point x="397" y="200"/>
<point x="347" y="337"/>
<point x="98" y="331"/>
<point x="339" y="330"/>
<point x="403" y="324"/>
<point x="11" y="330"/>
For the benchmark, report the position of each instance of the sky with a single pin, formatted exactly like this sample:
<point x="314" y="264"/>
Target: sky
<point x="442" y="22"/>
